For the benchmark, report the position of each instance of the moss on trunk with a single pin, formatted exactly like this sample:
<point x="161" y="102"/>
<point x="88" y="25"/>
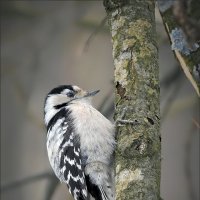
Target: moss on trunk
<point x="135" y="54"/>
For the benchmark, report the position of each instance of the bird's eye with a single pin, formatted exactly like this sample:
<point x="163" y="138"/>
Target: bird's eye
<point x="70" y="94"/>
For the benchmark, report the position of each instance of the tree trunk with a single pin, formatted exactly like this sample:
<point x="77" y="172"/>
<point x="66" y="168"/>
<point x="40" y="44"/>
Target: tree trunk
<point x="181" y="20"/>
<point x="135" y="54"/>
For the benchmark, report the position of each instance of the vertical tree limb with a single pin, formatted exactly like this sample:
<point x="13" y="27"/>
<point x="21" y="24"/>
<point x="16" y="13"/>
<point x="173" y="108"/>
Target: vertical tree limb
<point x="181" y="19"/>
<point x="135" y="54"/>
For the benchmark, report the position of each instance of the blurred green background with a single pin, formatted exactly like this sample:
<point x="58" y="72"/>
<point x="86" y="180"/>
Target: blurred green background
<point x="45" y="44"/>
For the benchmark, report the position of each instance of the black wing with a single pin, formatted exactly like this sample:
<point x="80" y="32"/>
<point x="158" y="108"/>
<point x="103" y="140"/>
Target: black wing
<point x="70" y="163"/>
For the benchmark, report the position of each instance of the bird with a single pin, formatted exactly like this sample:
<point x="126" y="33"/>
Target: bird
<point x="80" y="143"/>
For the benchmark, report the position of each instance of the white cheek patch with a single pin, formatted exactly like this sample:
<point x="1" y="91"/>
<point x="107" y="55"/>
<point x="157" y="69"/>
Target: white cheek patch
<point x="52" y="101"/>
<point x="65" y="91"/>
<point x="55" y="100"/>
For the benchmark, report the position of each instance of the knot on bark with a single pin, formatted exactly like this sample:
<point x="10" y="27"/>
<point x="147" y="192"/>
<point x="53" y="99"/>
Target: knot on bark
<point x="120" y="90"/>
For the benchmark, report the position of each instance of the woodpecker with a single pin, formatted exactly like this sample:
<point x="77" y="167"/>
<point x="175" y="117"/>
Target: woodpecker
<point x="80" y="143"/>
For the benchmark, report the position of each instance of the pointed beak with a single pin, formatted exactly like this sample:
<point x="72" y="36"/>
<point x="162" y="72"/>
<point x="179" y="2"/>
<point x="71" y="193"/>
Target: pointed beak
<point x="89" y="94"/>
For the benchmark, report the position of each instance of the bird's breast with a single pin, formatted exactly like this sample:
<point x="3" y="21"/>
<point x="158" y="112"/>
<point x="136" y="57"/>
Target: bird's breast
<point x="96" y="133"/>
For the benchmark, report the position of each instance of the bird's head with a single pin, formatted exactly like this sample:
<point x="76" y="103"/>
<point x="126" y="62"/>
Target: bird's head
<point x="65" y="95"/>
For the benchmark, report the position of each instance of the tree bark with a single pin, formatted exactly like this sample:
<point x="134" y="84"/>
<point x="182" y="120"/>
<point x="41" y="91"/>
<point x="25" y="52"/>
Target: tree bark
<point x="135" y="54"/>
<point x="181" y="20"/>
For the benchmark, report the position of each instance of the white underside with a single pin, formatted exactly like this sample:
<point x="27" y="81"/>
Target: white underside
<point x="95" y="131"/>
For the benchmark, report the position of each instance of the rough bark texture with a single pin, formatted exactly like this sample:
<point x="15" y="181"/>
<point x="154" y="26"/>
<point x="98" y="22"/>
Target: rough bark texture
<point x="135" y="53"/>
<point x="182" y="22"/>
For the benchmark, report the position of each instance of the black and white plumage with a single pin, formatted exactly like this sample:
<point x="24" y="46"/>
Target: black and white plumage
<point x="80" y="143"/>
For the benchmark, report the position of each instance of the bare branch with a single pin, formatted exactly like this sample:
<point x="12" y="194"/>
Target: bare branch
<point x="28" y="180"/>
<point x="190" y="26"/>
<point x="94" y="33"/>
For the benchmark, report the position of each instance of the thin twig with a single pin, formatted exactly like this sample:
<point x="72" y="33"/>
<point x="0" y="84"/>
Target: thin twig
<point x="51" y="188"/>
<point x="94" y="33"/>
<point x="25" y="181"/>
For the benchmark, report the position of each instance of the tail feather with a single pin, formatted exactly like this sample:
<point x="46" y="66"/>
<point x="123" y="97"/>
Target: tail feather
<point x="100" y="181"/>
<point x="103" y="194"/>
<point x="93" y="189"/>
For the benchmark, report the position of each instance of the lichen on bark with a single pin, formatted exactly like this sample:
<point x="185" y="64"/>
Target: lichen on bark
<point x="178" y="19"/>
<point x="135" y="54"/>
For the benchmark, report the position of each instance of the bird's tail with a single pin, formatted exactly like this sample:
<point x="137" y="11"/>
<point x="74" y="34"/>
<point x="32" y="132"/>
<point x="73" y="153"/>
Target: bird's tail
<point x="100" y="182"/>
